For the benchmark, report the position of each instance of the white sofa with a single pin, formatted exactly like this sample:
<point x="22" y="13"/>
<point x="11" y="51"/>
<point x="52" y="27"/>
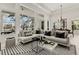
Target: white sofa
<point x="25" y="39"/>
<point x="61" y="41"/>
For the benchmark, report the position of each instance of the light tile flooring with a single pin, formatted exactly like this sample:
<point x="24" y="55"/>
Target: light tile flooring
<point x="74" y="40"/>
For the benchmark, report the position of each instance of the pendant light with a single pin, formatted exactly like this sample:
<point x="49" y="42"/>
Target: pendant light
<point x="22" y="10"/>
<point x="62" y="20"/>
<point x="61" y="12"/>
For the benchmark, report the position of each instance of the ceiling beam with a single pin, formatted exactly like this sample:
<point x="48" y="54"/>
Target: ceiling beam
<point x="42" y="8"/>
<point x="34" y="10"/>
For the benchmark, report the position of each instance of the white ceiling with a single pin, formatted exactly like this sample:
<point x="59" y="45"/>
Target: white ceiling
<point x="51" y="7"/>
<point x="56" y="6"/>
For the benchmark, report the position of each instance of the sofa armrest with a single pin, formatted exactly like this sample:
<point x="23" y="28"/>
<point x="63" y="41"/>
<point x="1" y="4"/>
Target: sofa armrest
<point x="68" y="40"/>
<point x="69" y="37"/>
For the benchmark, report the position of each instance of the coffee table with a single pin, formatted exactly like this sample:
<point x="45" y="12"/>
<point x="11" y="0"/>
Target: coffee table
<point x="41" y="45"/>
<point x="49" y="47"/>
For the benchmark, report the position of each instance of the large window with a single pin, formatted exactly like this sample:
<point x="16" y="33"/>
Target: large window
<point x="8" y="25"/>
<point x="10" y="19"/>
<point x="76" y="24"/>
<point x="26" y="22"/>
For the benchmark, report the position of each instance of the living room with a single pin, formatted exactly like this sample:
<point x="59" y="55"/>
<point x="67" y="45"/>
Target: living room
<point x="39" y="29"/>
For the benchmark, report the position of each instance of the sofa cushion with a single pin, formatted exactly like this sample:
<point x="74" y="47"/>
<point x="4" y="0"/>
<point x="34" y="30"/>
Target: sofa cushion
<point x="38" y="31"/>
<point x="47" y="33"/>
<point x="61" y="34"/>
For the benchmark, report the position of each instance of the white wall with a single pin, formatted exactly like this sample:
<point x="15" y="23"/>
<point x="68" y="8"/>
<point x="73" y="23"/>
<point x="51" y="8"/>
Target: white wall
<point x="71" y="13"/>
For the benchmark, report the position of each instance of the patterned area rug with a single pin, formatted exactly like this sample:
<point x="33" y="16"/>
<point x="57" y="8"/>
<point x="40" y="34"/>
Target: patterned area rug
<point x="26" y="49"/>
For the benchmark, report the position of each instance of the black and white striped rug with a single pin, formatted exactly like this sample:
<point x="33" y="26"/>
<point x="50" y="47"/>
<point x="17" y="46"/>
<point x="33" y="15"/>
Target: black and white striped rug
<point x="26" y="49"/>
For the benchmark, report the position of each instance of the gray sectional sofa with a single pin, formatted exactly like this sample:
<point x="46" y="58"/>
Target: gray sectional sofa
<point x="65" y="41"/>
